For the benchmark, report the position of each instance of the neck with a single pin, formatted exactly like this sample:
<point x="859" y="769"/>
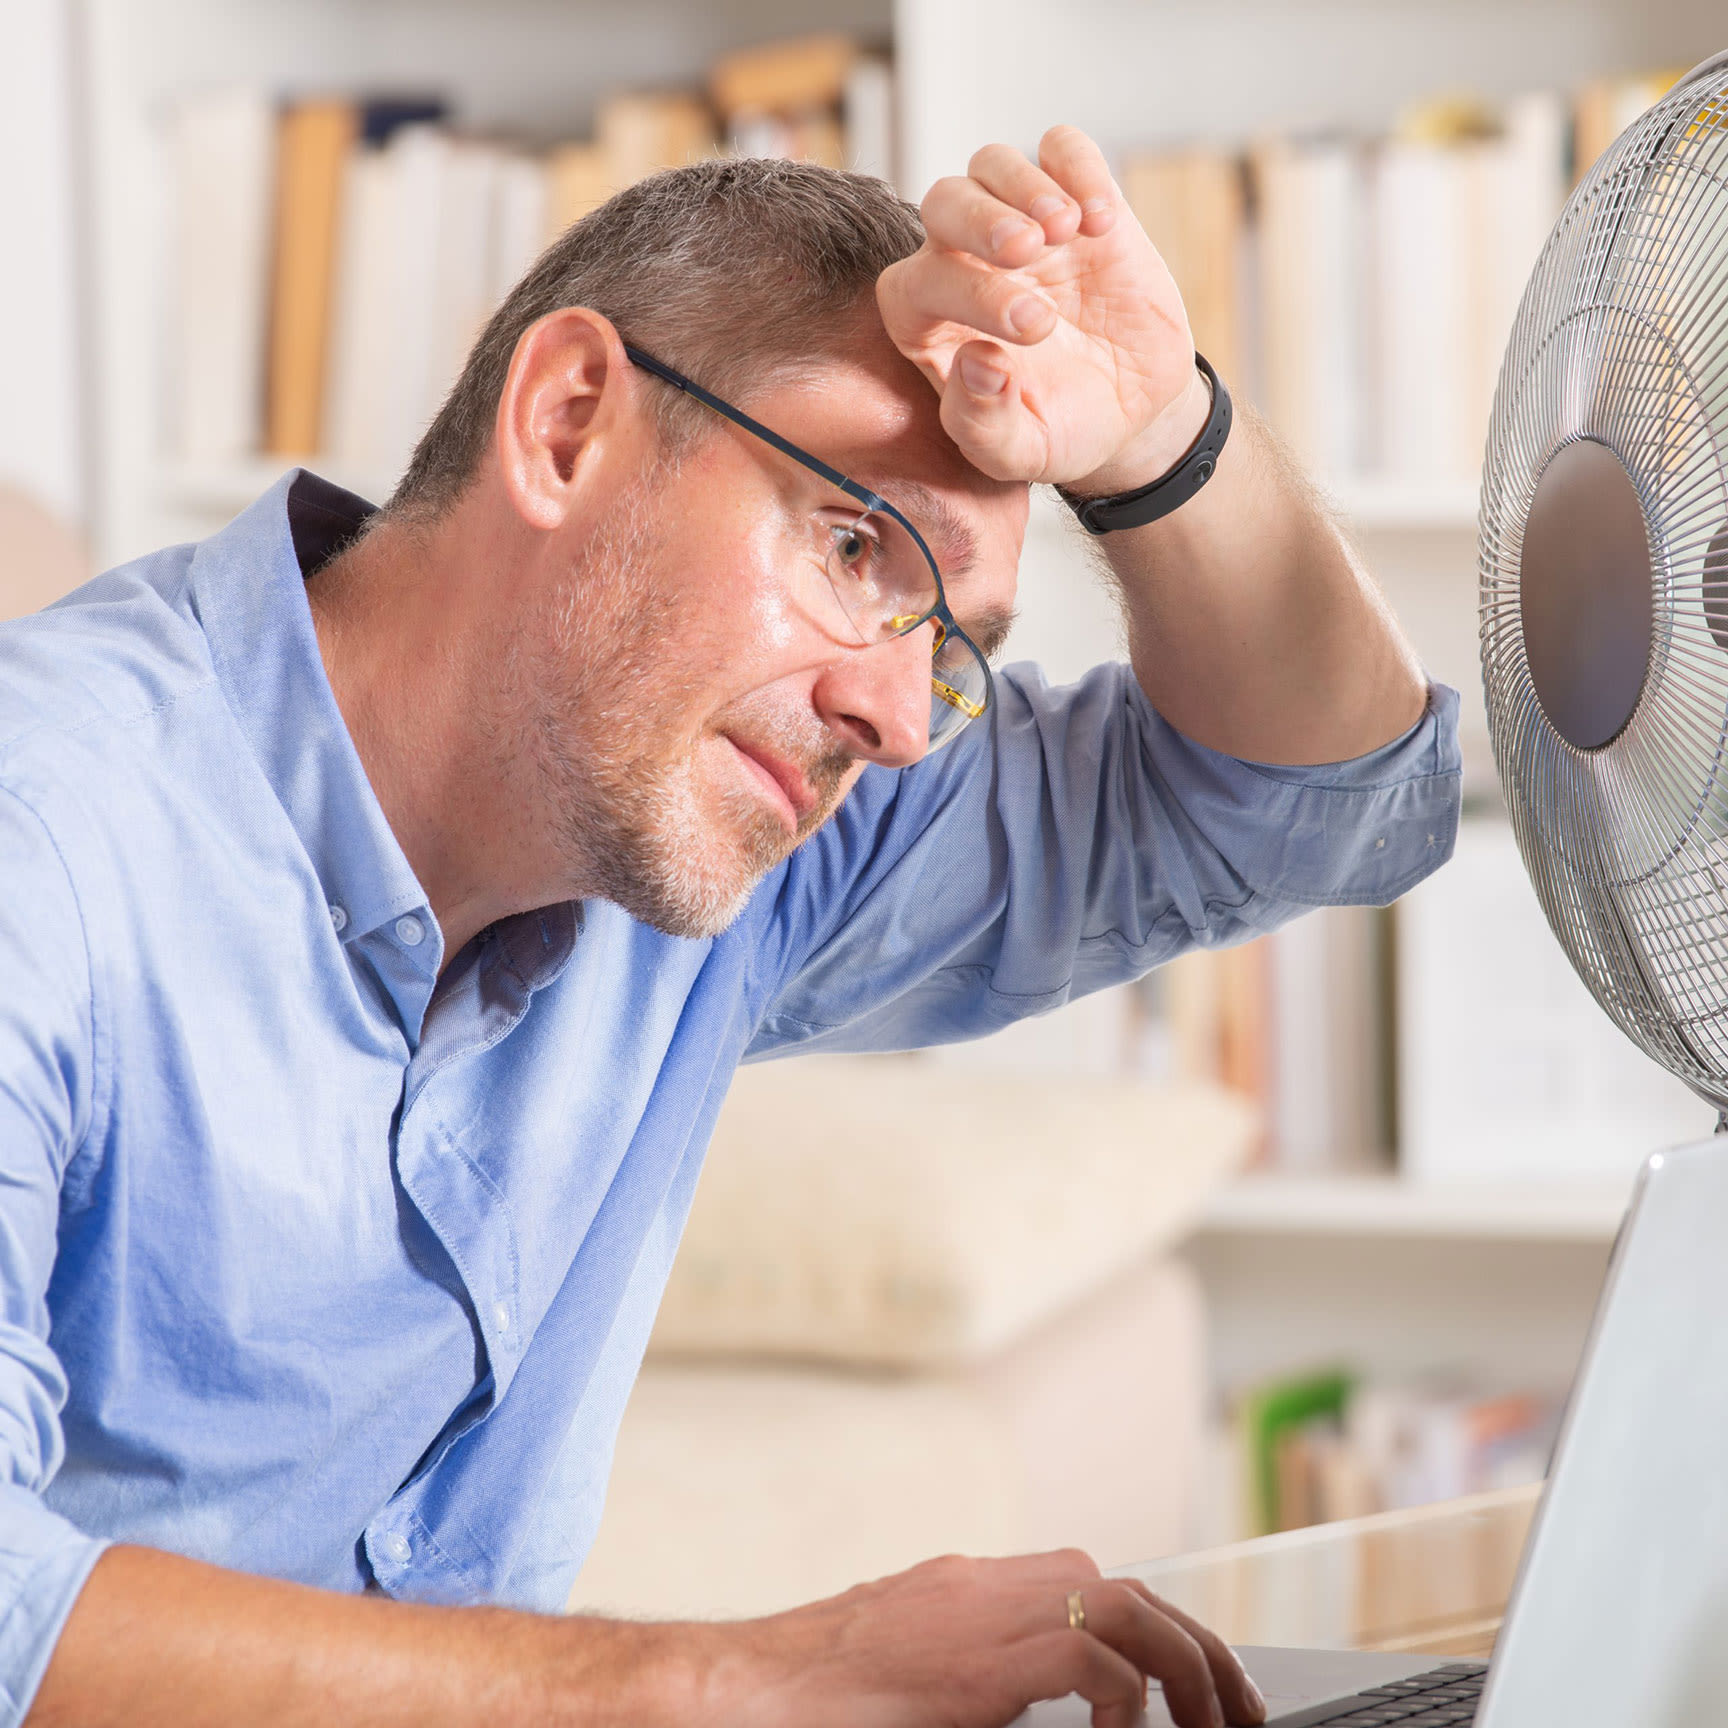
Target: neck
<point x="413" y="627"/>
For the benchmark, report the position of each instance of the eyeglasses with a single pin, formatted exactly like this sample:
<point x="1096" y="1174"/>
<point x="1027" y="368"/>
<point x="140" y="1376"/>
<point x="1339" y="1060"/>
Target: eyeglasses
<point x="880" y="572"/>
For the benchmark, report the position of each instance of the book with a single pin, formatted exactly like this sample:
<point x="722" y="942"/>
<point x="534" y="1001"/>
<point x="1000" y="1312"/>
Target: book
<point x="522" y="189"/>
<point x="638" y="134"/>
<point x="867" y="117"/>
<point x="221" y="148"/>
<point x="1215" y="1002"/>
<point x="1507" y="1068"/>
<point x="1331" y="1056"/>
<point x="796" y="76"/>
<point x="1313" y="256"/>
<point x="577" y="181"/>
<point x="1605" y="107"/>
<point x="1421" y="253"/>
<point x="314" y="141"/>
<point x="463" y="286"/>
<point x="1327" y="1444"/>
<point x="1193" y="206"/>
<point x="1517" y="185"/>
<point x="419" y="171"/>
<point x="354" y="428"/>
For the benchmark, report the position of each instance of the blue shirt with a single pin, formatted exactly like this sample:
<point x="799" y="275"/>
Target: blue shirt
<point x="317" y="1265"/>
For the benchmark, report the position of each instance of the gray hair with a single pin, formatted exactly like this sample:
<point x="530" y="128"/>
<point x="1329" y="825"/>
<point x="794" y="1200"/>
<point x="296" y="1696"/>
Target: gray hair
<point x="739" y="272"/>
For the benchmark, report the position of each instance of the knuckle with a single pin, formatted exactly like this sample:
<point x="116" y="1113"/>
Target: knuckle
<point x="954" y="1570"/>
<point x="1078" y="1561"/>
<point x="991" y="155"/>
<point x="942" y="193"/>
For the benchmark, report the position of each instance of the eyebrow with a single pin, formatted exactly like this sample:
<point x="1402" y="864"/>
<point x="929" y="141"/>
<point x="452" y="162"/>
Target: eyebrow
<point x="950" y="534"/>
<point x="956" y="549"/>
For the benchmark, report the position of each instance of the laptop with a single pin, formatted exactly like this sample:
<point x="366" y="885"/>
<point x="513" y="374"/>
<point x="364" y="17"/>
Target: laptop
<point x="1620" y="1611"/>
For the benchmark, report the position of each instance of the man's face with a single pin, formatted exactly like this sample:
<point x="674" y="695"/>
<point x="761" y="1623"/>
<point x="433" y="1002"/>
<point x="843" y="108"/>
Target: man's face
<point x="696" y="714"/>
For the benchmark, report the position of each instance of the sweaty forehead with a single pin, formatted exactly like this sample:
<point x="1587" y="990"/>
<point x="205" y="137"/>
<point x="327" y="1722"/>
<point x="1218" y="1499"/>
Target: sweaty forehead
<point x="879" y="422"/>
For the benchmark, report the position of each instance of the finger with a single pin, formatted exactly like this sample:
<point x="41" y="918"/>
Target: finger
<point x="1053" y="1664"/>
<point x="932" y="288"/>
<point x="983" y="413"/>
<point x="1240" y="1696"/>
<point x="962" y="216"/>
<point x="1077" y="165"/>
<point x="1006" y="174"/>
<point x="1122" y="1618"/>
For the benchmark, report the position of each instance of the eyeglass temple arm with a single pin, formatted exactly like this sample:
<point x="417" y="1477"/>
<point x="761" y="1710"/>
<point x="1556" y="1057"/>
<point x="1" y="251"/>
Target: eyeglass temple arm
<point x="869" y="499"/>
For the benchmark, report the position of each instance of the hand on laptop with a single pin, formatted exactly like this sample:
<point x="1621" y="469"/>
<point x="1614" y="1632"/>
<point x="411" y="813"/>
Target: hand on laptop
<point x="971" y="1643"/>
<point x="1047" y="322"/>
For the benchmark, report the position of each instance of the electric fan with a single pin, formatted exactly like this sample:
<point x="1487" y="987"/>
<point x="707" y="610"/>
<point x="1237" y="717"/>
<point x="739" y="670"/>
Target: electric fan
<point x="1603" y="557"/>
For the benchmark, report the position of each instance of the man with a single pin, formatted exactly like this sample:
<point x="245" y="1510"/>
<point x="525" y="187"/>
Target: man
<point x="390" y="898"/>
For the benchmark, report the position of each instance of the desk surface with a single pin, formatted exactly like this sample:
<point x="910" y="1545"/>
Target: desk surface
<point x="1435" y="1578"/>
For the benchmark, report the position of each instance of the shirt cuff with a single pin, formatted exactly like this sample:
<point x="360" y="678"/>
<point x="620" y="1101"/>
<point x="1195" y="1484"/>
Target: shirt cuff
<point x="1356" y="833"/>
<point x="1429" y="747"/>
<point x="44" y="1561"/>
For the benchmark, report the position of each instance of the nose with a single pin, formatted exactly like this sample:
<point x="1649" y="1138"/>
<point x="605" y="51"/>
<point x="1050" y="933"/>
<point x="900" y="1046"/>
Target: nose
<point x="878" y="699"/>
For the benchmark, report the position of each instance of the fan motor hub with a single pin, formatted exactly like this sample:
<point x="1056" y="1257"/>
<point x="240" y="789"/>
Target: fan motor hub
<point x="1585" y="594"/>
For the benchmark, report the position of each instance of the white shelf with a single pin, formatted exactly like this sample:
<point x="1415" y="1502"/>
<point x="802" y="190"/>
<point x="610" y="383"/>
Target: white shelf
<point x="1584" y="1211"/>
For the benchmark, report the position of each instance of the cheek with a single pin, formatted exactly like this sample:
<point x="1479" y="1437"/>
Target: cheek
<point x="753" y="627"/>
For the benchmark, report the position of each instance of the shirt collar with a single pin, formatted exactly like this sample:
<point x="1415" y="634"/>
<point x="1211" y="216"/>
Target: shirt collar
<point x="250" y="594"/>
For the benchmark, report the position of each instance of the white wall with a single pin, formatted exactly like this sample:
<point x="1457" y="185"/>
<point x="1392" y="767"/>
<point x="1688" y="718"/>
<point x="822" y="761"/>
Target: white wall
<point x="39" y="380"/>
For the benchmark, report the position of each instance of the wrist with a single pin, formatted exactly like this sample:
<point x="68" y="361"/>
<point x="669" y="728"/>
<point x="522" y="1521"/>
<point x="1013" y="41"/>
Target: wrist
<point x="625" y="1674"/>
<point x="1156" y="449"/>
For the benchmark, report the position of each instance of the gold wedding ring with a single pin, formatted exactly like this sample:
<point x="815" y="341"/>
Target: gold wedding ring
<point x="1076" y="1611"/>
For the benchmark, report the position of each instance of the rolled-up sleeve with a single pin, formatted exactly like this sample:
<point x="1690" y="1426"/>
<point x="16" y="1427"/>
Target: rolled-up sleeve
<point x="46" y="1046"/>
<point x="1075" y="842"/>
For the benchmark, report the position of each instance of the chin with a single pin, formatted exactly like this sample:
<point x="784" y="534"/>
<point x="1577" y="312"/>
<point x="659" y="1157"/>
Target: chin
<point x="688" y="866"/>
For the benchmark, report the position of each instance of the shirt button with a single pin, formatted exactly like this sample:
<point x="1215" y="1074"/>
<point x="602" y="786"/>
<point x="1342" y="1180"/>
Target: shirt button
<point x="410" y="930"/>
<point x="396" y="1546"/>
<point x="501" y="1317"/>
<point x="338" y="919"/>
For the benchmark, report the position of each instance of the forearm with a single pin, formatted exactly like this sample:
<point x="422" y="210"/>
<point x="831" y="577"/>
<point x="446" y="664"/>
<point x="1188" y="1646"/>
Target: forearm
<point x="157" y="1639"/>
<point x="1252" y="625"/>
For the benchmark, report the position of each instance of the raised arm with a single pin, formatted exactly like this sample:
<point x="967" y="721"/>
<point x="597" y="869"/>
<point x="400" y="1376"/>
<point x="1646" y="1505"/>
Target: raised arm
<point x="1050" y="327"/>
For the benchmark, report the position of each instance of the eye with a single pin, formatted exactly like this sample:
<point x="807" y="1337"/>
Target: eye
<point x="853" y="549"/>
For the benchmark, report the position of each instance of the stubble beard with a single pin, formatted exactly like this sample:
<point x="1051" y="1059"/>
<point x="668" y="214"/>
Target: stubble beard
<point x="601" y="690"/>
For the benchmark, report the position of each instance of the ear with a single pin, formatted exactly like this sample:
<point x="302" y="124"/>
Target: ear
<point x="568" y="404"/>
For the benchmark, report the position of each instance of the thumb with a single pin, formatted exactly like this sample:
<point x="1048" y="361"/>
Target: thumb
<point x="983" y="413"/>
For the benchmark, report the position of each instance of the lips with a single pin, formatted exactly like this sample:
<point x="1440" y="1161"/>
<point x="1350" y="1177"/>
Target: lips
<point x="783" y="780"/>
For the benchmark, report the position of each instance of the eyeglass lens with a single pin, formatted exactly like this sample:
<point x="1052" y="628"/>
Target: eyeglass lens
<point x="885" y="588"/>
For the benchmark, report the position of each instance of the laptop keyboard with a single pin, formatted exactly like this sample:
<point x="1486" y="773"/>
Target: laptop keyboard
<point x="1440" y="1698"/>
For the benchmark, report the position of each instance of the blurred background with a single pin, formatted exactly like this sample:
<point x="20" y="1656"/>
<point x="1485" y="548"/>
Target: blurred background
<point x="1285" y="1233"/>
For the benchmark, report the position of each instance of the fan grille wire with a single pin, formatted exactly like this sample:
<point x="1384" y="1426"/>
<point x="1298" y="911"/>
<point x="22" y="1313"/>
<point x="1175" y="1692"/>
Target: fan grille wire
<point x="1622" y="336"/>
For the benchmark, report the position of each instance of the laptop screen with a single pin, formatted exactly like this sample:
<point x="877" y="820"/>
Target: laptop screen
<point x="1621" y="1610"/>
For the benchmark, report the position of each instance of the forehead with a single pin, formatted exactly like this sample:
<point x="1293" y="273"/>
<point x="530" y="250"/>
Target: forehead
<point x="878" y="421"/>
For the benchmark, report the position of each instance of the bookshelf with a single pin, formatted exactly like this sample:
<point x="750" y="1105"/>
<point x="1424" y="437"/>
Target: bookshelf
<point x="536" y="68"/>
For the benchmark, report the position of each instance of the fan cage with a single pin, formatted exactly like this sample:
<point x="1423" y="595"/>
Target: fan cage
<point x="1622" y="337"/>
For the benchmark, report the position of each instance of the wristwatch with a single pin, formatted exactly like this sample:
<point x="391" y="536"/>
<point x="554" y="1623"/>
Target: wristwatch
<point x="1169" y="491"/>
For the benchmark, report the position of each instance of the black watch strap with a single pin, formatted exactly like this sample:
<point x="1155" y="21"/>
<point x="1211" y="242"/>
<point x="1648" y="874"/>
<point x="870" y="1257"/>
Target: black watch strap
<point x="1169" y="491"/>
